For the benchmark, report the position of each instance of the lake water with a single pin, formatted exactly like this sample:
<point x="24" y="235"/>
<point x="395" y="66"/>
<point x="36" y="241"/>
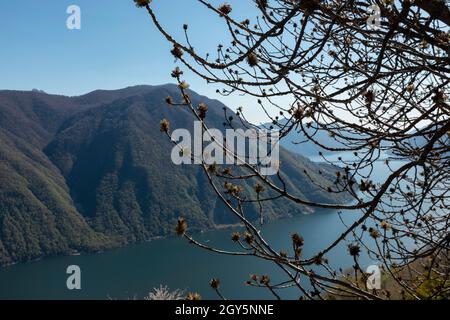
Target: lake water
<point x="134" y="270"/>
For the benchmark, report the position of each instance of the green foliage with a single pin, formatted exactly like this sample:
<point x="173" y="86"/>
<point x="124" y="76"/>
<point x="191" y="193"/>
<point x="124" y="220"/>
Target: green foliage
<point x="92" y="172"/>
<point x="432" y="284"/>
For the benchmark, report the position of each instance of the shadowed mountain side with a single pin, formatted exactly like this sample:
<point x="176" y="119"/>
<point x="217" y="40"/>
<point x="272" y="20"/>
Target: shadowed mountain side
<point x="90" y="172"/>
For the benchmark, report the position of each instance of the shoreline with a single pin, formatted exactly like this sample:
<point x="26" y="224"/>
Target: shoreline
<point x="77" y="252"/>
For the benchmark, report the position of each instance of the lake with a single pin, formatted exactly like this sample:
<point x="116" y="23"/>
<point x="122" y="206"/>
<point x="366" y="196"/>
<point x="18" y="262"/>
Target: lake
<point x="132" y="271"/>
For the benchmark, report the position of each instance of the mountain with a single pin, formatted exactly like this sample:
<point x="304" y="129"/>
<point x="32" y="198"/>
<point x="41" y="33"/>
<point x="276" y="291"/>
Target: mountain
<point x="298" y="142"/>
<point x="92" y="172"/>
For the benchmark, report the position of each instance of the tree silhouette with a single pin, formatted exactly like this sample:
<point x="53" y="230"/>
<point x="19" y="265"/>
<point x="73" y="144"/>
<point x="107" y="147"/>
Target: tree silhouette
<point x="379" y="92"/>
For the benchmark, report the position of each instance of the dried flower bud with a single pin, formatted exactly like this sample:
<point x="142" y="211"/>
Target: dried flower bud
<point x="410" y="88"/>
<point x="235" y="190"/>
<point x="298" y="113"/>
<point x="214" y="283"/>
<point x="385" y="225"/>
<point x="181" y="227"/>
<point x="354" y="250"/>
<point x="252" y="60"/>
<point x="177" y="52"/>
<point x="164" y="125"/>
<point x="176" y="73"/>
<point x="374" y="233"/>
<point x="265" y="280"/>
<point x="225" y="9"/>
<point x="369" y="96"/>
<point x="439" y="96"/>
<point x="169" y="100"/>
<point x="183" y="85"/>
<point x="424" y="44"/>
<point x="142" y="3"/>
<point x="193" y="296"/>
<point x="202" y="110"/>
<point x="259" y="188"/>
<point x="248" y="237"/>
<point x="297" y="240"/>
<point x="235" y="236"/>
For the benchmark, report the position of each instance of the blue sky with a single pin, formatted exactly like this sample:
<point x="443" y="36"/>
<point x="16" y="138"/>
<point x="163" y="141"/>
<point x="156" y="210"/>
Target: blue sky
<point x="117" y="45"/>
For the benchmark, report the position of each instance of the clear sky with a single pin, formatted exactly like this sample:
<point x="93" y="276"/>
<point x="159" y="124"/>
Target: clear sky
<point x="117" y="45"/>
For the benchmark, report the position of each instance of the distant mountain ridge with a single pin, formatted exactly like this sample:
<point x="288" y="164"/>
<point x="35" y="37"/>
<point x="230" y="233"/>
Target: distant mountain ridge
<point x="91" y="172"/>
